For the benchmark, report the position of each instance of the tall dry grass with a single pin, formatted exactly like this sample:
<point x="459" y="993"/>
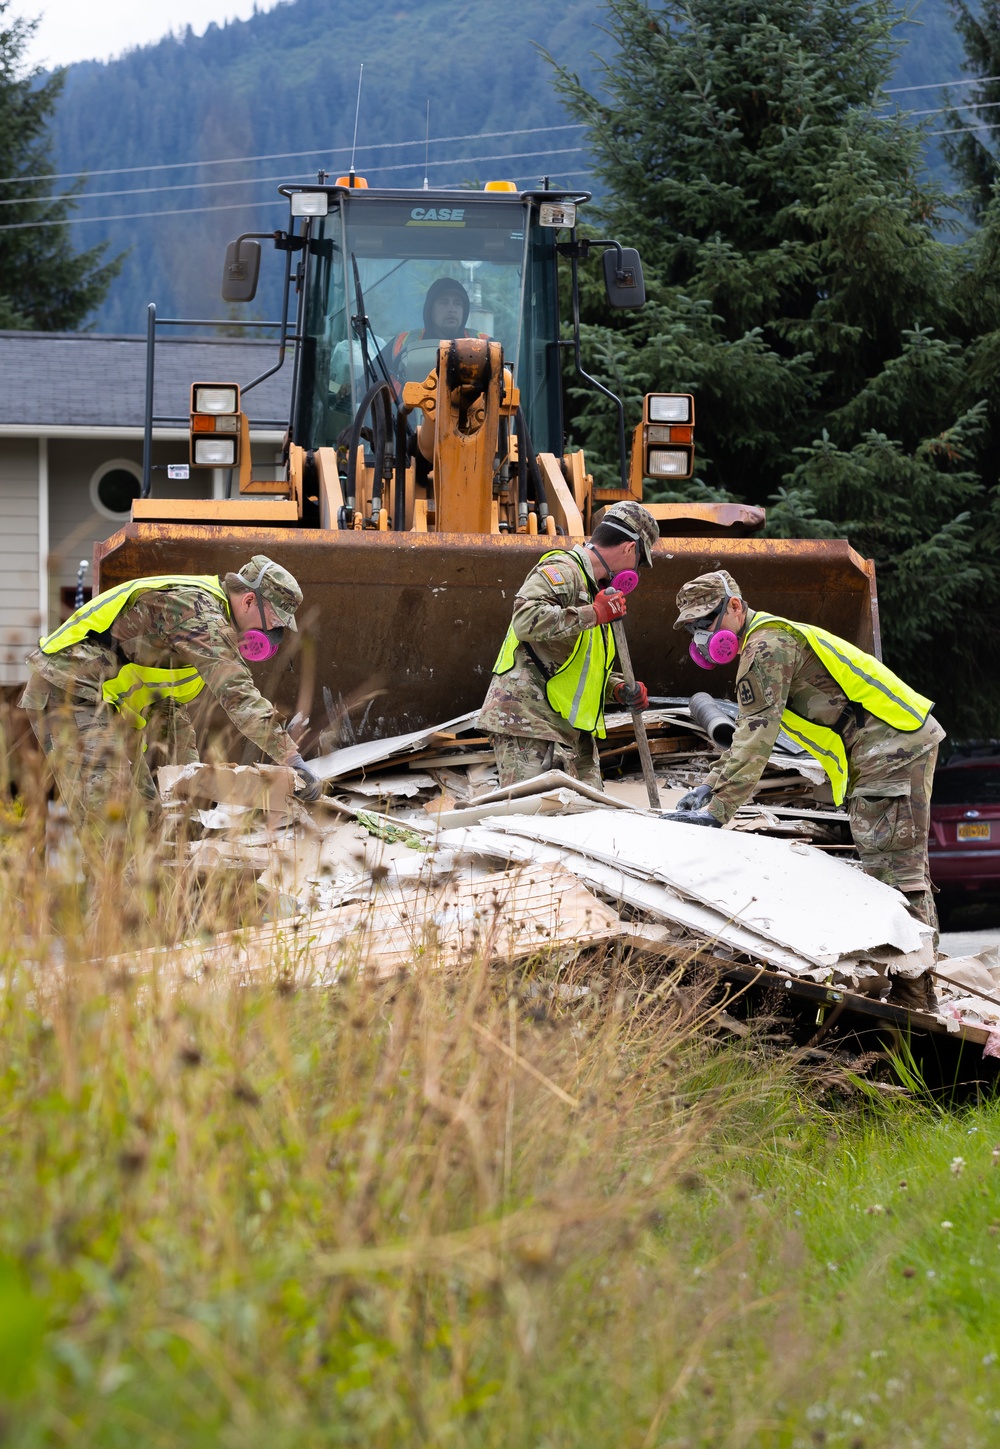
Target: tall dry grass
<point x="536" y="1206"/>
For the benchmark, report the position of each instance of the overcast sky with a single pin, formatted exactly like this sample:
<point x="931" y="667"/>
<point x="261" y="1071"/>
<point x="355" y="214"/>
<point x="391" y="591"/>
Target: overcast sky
<point x="97" y="29"/>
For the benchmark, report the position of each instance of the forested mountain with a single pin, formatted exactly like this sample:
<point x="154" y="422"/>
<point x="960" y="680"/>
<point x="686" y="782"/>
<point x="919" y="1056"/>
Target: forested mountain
<point x="286" y="82"/>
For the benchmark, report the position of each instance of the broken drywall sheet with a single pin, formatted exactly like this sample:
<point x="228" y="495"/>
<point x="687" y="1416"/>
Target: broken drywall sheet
<point x="549" y="802"/>
<point x="620" y="888"/>
<point x="816" y="907"/>
<point x="550" y="780"/>
<point x="359" y="757"/>
<point x="390" y="787"/>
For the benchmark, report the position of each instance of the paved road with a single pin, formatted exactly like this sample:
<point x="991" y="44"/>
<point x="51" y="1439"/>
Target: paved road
<point x="968" y="943"/>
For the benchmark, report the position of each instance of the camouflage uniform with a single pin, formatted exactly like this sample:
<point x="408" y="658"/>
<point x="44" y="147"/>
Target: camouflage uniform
<point x="890" y="771"/>
<point x="551" y="610"/>
<point x="98" y="759"/>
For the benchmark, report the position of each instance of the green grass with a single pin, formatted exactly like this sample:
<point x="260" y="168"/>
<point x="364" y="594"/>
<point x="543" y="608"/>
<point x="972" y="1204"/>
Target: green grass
<point x="248" y="1215"/>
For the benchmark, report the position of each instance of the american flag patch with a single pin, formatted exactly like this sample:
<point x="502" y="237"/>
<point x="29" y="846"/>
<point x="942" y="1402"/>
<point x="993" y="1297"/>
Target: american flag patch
<point x="553" y="577"/>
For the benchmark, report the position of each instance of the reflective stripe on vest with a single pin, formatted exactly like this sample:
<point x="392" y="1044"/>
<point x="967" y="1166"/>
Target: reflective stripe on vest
<point x="576" y="690"/>
<point x="136" y="686"/>
<point x="864" y="679"/>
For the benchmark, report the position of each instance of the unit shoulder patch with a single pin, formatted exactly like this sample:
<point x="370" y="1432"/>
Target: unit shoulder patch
<point x="754" y="691"/>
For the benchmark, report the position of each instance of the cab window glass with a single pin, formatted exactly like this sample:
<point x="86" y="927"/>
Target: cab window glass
<point x="467" y="255"/>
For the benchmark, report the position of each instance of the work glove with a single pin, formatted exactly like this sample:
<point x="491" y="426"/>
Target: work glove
<point x="307" y="787"/>
<point x="631" y="696"/>
<point x="692" y="817"/>
<point x="608" y="607"/>
<point x="695" y="799"/>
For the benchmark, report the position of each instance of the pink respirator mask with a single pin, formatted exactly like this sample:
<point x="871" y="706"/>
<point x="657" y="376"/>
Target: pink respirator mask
<point x="256" y="645"/>
<point x="711" y="647"/>
<point x="624" y="582"/>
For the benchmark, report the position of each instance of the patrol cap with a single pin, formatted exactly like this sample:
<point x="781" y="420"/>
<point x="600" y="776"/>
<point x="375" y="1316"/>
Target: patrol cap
<point x="637" y="523"/>
<point x="276" y="584"/>
<point x="704" y="594"/>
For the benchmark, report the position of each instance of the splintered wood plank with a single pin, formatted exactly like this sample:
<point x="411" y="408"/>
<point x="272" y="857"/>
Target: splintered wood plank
<point x="507" y="916"/>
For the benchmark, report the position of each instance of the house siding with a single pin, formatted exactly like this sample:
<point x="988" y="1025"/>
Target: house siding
<point x="19" y="563"/>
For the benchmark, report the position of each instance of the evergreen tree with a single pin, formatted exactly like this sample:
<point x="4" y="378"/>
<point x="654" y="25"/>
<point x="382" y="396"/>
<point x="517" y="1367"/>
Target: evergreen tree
<point x="44" y="283"/>
<point x="971" y="149"/>
<point x="802" y="289"/>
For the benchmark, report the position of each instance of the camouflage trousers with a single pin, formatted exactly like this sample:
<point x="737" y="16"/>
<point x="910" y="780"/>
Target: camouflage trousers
<point x="520" y="757"/>
<point x="102" y="766"/>
<point x="890" y="821"/>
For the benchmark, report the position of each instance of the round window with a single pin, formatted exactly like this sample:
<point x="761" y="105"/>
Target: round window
<point x="114" y="486"/>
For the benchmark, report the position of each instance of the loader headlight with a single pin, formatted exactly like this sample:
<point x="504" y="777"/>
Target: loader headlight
<point x="557" y="213"/>
<point x="669" y="407"/>
<point x="668" y="463"/>
<point x="214" y="452"/>
<point x="310" y="203"/>
<point x="667" y="435"/>
<point x="218" y="427"/>
<point x="215" y="399"/>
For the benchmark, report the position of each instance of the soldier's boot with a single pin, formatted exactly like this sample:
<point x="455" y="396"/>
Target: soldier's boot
<point x="915" y="993"/>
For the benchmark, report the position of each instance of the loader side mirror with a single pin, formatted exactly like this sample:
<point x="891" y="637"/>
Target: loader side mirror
<point x="240" y="273"/>
<point x="623" y="278"/>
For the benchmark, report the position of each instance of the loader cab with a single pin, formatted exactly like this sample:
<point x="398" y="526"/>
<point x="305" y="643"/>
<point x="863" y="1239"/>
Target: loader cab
<point x="377" y="254"/>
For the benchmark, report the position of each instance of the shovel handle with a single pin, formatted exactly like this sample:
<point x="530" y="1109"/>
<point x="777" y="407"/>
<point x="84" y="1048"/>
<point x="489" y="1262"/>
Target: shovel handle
<point x="641" y="739"/>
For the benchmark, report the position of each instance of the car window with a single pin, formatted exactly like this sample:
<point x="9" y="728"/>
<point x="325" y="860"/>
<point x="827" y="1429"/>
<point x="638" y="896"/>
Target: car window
<point x="967" y="786"/>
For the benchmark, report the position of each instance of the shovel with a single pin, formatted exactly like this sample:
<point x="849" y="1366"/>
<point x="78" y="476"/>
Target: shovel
<point x="625" y="586"/>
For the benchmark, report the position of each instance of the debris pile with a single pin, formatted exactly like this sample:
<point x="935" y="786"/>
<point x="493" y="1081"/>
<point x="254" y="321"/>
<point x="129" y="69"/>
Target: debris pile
<point x="416" y="853"/>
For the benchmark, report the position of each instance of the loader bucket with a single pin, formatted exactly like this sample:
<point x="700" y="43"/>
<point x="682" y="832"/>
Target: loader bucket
<point x="423" y="615"/>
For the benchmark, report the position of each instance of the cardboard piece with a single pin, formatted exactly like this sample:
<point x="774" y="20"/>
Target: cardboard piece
<point x="260" y="787"/>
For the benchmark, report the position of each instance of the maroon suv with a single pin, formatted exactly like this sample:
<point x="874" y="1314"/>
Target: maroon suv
<point x="965" y="825"/>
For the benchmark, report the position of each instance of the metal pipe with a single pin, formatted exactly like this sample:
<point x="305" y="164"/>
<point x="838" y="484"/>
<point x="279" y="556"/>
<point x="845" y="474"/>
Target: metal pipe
<point x="147" y="427"/>
<point x="399" y="483"/>
<point x="718" y="726"/>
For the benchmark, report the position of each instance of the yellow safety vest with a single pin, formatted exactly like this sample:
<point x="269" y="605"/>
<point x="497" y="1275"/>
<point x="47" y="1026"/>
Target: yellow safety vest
<point x="136" y="686"/>
<point x="863" y="678"/>
<point x="576" y="689"/>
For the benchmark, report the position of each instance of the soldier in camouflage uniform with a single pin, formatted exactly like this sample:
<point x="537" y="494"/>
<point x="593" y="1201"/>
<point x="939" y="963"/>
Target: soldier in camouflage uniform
<point x="562" y="598"/>
<point x="100" y="753"/>
<point x="889" y="769"/>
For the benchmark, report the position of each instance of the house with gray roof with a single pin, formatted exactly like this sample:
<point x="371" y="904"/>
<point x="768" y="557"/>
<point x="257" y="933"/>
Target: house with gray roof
<point x="71" y="431"/>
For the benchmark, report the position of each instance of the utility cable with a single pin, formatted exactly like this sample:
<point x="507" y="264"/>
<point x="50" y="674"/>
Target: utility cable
<point x="281" y="155"/>
<point x="940" y="85"/>
<point x="202" y="210"/>
<point x="78" y="197"/>
<point x="959" y="130"/>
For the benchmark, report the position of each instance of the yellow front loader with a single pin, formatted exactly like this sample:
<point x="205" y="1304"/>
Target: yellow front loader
<point x="425" y="465"/>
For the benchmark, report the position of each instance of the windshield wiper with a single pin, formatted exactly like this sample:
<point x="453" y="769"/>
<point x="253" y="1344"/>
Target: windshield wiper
<point x="362" y="328"/>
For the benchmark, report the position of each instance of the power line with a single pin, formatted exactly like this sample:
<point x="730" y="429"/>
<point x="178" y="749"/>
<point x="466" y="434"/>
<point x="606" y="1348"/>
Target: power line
<point x="940" y="85"/>
<point x="957" y="130"/>
<point x="968" y="106"/>
<point x="136" y="215"/>
<point x="252" y="181"/>
<point x="281" y="155"/>
<point x="256" y="180"/>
